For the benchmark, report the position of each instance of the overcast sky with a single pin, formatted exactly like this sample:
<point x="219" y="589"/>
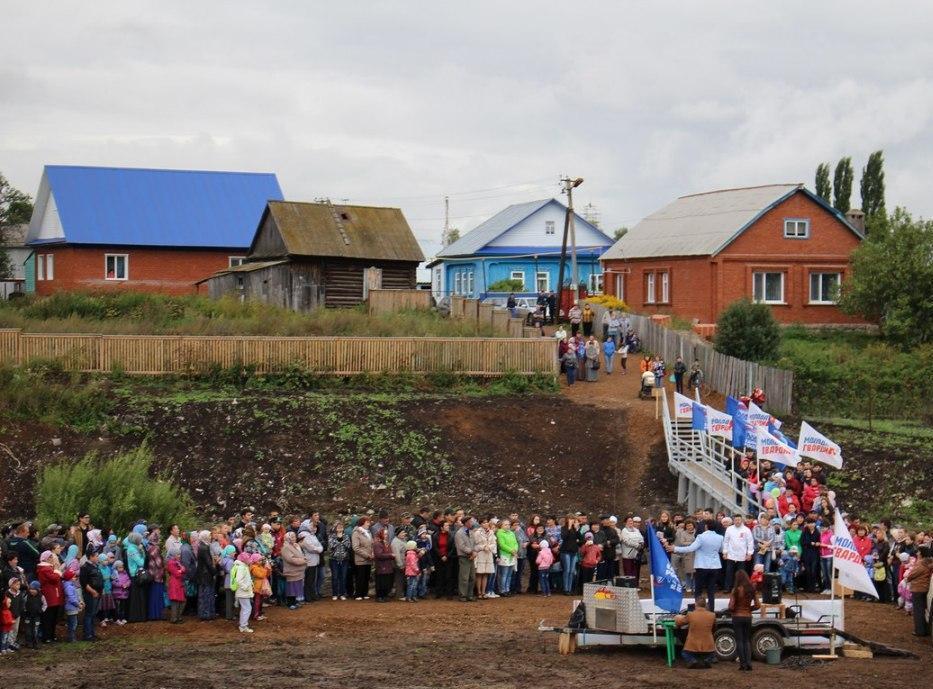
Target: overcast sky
<point x="400" y="103"/>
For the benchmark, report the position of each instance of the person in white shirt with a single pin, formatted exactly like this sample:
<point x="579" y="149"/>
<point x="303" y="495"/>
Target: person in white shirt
<point x="738" y="546"/>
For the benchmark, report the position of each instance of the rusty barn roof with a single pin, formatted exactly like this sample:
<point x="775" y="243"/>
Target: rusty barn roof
<point x="342" y="231"/>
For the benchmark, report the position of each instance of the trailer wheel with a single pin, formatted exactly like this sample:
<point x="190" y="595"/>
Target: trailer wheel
<point x="764" y="640"/>
<point x="724" y="640"/>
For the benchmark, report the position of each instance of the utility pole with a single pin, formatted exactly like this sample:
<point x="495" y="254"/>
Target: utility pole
<point x="569" y="186"/>
<point x="446" y="216"/>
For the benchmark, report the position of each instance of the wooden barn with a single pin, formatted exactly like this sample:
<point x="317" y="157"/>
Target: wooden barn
<point x="306" y="255"/>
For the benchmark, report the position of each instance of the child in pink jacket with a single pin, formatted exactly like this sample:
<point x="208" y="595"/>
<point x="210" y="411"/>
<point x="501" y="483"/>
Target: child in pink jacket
<point x="412" y="571"/>
<point x="544" y="561"/>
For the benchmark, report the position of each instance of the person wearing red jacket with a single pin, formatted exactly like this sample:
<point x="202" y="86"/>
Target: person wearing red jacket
<point x="50" y="582"/>
<point x="811" y="493"/>
<point x="788" y="498"/>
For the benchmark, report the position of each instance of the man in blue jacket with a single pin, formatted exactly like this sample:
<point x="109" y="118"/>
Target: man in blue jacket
<point x="706" y="563"/>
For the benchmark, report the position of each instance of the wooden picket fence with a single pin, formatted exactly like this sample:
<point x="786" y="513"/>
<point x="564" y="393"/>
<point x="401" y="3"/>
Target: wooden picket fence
<point x="486" y="314"/>
<point x="160" y="354"/>
<point x="392" y="300"/>
<point x="722" y="373"/>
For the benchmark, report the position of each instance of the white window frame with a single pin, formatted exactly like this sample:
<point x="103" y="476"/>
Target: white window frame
<point x="469" y="277"/>
<point x="126" y="267"/>
<point x="547" y="281"/>
<point x="40" y="267"/>
<point x="596" y="283"/>
<point x="234" y="261"/>
<point x="665" y="287"/>
<point x="822" y="297"/>
<point x="550" y="227"/>
<point x="764" y="286"/>
<point x="795" y="223"/>
<point x="649" y="288"/>
<point x="518" y="275"/>
<point x="458" y="281"/>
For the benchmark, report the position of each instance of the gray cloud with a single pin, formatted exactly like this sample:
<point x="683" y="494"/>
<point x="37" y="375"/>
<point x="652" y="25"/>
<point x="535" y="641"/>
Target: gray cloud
<point x="388" y="102"/>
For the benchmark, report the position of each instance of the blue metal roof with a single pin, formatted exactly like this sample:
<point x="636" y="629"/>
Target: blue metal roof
<point x="482" y="234"/>
<point x="476" y="240"/>
<point x="143" y="207"/>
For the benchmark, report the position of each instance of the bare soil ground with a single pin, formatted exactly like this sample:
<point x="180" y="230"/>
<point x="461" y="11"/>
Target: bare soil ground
<point x="487" y="644"/>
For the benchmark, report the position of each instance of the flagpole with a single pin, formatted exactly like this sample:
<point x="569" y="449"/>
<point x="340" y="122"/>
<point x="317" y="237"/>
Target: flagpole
<point x="654" y="606"/>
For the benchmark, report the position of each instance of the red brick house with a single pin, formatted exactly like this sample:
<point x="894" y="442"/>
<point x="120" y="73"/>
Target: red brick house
<point x="97" y="229"/>
<point x="778" y="244"/>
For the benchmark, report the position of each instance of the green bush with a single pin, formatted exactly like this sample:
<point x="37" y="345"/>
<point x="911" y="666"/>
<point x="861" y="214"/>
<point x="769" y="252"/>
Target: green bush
<point x="507" y="286"/>
<point x="116" y="492"/>
<point x="748" y="331"/>
<point x="44" y="393"/>
<point x="856" y="375"/>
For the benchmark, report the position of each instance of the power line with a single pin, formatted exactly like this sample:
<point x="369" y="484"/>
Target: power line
<point x="441" y="195"/>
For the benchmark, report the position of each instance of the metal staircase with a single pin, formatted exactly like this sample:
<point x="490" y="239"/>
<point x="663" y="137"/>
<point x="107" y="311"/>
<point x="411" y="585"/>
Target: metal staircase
<point x="703" y="466"/>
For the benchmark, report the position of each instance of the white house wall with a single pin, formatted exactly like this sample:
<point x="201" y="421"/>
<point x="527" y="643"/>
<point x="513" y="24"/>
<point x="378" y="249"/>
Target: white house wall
<point x="530" y="232"/>
<point x="50" y="225"/>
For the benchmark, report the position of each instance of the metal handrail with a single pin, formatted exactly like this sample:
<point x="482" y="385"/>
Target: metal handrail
<point x="714" y="453"/>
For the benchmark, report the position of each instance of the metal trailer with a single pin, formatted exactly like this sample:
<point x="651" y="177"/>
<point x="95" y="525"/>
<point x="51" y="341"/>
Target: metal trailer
<point x="615" y="617"/>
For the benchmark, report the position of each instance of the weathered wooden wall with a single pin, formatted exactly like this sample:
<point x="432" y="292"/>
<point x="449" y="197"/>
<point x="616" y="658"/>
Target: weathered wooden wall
<point x="156" y="354"/>
<point x="391" y="300"/>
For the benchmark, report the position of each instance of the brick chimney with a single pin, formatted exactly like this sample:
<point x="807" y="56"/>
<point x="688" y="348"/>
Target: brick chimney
<point x="856" y="218"/>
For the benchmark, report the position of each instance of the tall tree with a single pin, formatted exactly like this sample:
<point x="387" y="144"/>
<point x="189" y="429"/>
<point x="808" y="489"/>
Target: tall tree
<point x="842" y="185"/>
<point x="15" y="208"/>
<point x="872" y="190"/>
<point x="620" y="232"/>
<point x="892" y="280"/>
<point x="824" y="187"/>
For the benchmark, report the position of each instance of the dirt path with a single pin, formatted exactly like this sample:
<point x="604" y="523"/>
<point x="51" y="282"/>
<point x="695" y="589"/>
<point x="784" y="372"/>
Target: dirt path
<point x="643" y="482"/>
<point x="488" y="645"/>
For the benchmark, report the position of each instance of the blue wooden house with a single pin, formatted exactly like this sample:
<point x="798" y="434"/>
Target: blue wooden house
<point x="521" y="242"/>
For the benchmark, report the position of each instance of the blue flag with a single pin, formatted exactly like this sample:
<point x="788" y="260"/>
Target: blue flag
<point x="668" y="591"/>
<point x="732" y="405"/>
<point x="739" y="427"/>
<point x="698" y="422"/>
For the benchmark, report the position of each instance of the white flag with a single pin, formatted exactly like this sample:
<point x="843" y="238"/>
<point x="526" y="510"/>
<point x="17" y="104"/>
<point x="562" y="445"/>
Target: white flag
<point x="769" y="447"/>
<point x="683" y="406"/>
<point x="852" y="573"/>
<point x="756" y="417"/>
<point x="815" y="445"/>
<point x="718" y="423"/>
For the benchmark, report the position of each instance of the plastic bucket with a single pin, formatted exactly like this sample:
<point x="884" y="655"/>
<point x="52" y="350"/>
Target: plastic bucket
<point x="773" y="656"/>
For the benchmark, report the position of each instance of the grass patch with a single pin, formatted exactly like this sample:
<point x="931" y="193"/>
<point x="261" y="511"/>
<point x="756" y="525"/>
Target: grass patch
<point x="856" y="375"/>
<point x="45" y="394"/>
<point x="898" y="427"/>
<point x="132" y="313"/>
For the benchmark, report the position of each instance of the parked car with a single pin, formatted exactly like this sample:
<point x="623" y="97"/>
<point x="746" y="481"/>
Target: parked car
<point x="524" y="306"/>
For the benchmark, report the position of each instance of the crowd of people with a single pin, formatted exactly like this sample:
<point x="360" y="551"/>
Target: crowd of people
<point x="238" y="568"/>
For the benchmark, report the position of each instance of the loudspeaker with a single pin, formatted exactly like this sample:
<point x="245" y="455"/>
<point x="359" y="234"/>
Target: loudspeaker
<point x="771" y="588"/>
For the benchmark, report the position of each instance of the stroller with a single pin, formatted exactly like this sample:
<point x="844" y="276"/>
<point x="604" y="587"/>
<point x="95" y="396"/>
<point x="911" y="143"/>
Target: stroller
<point x="646" y="391"/>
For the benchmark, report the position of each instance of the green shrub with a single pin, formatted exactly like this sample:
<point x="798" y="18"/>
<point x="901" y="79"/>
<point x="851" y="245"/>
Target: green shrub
<point x="748" y="331"/>
<point x="507" y="285"/>
<point x="116" y="492"/>
<point x="856" y="375"/>
<point x="43" y="393"/>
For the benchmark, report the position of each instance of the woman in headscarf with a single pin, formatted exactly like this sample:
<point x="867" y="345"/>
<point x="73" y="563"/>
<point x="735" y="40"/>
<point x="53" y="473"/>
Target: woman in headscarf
<point x="227" y="560"/>
<point x="136" y="568"/>
<point x="50" y="581"/>
<point x="156" y="569"/>
<point x="189" y="560"/>
<point x="176" y="583"/>
<point x="207" y="578"/>
<point x="71" y="556"/>
<point x="293" y="569"/>
<point x="362" y="541"/>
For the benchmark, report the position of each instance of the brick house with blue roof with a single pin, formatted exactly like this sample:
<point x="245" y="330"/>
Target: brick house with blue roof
<point x="105" y="228"/>
<point x="521" y="242"/>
